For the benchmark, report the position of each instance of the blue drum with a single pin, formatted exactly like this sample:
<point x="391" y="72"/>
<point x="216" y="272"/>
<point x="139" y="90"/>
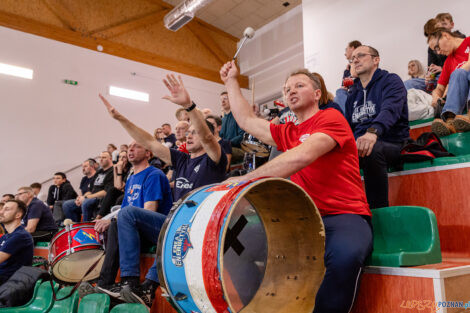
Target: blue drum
<point x="255" y="246"/>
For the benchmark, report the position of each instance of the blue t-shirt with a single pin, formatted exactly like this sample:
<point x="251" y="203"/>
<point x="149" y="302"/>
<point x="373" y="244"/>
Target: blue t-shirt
<point x="37" y="209"/>
<point x="149" y="185"/>
<point x="226" y="146"/>
<point x="19" y="244"/>
<point x="197" y="172"/>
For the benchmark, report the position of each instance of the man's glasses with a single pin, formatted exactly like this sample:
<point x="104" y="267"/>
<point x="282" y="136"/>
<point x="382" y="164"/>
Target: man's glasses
<point x="20" y="193"/>
<point x="360" y="56"/>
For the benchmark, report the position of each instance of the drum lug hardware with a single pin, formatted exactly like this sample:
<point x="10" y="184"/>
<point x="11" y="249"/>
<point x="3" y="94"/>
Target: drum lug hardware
<point x="180" y="296"/>
<point x="190" y="203"/>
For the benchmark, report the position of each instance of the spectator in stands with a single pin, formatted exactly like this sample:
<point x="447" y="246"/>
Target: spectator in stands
<point x="230" y="130"/>
<point x="206" y="164"/>
<point x="347" y="81"/>
<point x="38" y="220"/>
<point x="114" y="195"/>
<point x="320" y="155"/>
<point x="36" y="189"/>
<point x="158" y="134"/>
<point x="87" y="204"/>
<point x="455" y="75"/>
<point x="182" y="115"/>
<point x="61" y="190"/>
<point x="435" y="60"/>
<point x="16" y="246"/>
<point x="445" y="20"/>
<point x="216" y="122"/>
<point x="170" y="138"/>
<point x="113" y="151"/>
<point x="147" y="197"/>
<point x="6" y="197"/>
<point x="181" y="130"/>
<point x="416" y="72"/>
<point x="377" y="111"/>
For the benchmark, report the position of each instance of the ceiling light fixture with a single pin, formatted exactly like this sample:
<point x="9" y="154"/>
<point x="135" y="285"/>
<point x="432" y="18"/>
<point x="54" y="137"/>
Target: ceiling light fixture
<point x="128" y="93"/>
<point x="183" y="13"/>
<point x="16" y="71"/>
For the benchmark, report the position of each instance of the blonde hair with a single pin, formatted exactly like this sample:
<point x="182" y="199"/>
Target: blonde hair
<point x="420" y="67"/>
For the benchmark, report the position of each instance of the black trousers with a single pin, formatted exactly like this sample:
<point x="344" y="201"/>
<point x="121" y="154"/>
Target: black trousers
<point x="375" y="168"/>
<point x="111" y="259"/>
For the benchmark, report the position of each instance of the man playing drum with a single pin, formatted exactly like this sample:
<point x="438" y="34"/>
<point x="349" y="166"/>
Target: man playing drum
<point x="321" y="157"/>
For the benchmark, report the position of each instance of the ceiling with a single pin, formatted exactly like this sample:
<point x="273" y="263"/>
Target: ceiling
<point x="233" y="16"/>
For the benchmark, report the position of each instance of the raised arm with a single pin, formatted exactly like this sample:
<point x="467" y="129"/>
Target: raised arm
<point x="139" y="135"/>
<point x="179" y="95"/>
<point x="241" y="109"/>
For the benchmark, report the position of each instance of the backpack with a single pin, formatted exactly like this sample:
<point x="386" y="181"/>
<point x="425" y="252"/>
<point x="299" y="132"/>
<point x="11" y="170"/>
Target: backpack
<point x="427" y="147"/>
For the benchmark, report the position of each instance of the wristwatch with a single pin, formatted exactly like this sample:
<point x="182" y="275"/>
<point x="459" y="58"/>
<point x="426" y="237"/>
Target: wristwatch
<point x="372" y="130"/>
<point x="193" y="105"/>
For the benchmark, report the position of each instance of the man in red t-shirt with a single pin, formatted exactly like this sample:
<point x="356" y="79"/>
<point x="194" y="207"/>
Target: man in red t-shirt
<point x="320" y="155"/>
<point x="456" y="77"/>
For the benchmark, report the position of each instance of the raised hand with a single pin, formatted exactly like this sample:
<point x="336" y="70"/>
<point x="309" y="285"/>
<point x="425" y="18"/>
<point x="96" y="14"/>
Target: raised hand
<point x="179" y="94"/>
<point x="228" y="70"/>
<point x="111" y="110"/>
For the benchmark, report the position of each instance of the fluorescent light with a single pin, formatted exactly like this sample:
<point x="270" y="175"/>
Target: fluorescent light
<point x="128" y="93"/>
<point x="16" y="71"/>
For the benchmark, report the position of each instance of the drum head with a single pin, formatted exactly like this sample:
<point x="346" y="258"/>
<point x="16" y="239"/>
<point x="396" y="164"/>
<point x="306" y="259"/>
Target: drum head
<point x="272" y="254"/>
<point x="72" y="267"/>
<point x="258" y="149"/>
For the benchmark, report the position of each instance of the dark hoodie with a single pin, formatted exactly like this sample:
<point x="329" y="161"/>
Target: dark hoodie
<point x="382" y="105"/>
<point x="63" y="192"/>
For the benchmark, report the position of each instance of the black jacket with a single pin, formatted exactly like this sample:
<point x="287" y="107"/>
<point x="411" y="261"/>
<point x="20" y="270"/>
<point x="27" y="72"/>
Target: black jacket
<point x="62" y="193"/>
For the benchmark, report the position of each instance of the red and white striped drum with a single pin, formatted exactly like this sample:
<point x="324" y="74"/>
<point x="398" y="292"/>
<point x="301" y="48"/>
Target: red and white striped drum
<point x="74" y="250"/>
<point x="256" y="246"/>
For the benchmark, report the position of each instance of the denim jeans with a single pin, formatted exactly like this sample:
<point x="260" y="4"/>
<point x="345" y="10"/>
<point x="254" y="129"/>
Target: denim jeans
<point x="415" y="83"/>
<point x="73" y="211"/>
<point x="458" y="93"/>
<point x="348" y="242"/>
<point x="341" y="97"/>
<point x="133" y="223"/>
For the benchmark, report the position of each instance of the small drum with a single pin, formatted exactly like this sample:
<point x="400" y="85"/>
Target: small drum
<point x="252" y="145"/>
<point x="74" y="250"/>
<point x="257" y="246"/>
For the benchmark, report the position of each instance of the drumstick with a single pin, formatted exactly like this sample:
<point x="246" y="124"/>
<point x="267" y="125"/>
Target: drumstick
<point x="68" y="221"/>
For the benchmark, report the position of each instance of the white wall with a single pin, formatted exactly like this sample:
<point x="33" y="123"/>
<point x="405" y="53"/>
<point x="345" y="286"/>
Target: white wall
<point x="275" y="51"/>
<point x="395" y="28"/>
<point x="48" y="126"/>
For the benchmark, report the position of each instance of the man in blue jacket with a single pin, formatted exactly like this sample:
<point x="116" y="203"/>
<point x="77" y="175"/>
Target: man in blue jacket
<point x="230" y="130"/>
<point x="377" y="111"/>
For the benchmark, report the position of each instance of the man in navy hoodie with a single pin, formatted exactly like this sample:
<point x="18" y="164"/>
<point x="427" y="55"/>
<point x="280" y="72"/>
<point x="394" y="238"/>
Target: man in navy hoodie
<point x="377" y="111"/>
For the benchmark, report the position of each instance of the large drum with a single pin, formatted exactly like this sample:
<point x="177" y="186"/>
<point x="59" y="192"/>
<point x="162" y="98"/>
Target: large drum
<point x="254" y="247"/>
<point x="74" y="250"/>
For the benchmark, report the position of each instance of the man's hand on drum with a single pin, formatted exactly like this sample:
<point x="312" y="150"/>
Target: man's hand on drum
<point x="111" y="110"/>
<point x="235" y="179"/>
<point x="102" y="225"/>
<point x="228" y="70"/>
<point x="179" y="94"/>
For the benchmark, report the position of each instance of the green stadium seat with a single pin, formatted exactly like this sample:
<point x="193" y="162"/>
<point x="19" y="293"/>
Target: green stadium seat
<point x="94" y="303"/>
<point x="69" y="305"/>
<point x="42" y="244"/>
<point x="129" y="307"/>
<point x="42" y="301"/>
<point x="405" y="236"/>
<point x="457" y="144"/>
<point x="420" y="122"/>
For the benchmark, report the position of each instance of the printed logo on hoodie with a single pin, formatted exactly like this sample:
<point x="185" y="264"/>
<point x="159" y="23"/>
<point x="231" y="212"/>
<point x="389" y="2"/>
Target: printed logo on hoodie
<point x="363" y="112"/>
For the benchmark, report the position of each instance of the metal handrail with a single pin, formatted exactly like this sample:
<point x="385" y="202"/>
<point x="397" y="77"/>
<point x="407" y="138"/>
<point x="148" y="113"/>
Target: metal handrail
<point x="67" y="171"/>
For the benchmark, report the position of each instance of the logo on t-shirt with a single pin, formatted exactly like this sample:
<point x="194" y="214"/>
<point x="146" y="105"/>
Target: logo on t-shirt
<point x="467" y="50"/>
<point x="100" y="179"/>
<point x="196" y="169"/>
<point x="304" y="137"/>
<point x="183" y="183"/>
<point x="134" y="193"/>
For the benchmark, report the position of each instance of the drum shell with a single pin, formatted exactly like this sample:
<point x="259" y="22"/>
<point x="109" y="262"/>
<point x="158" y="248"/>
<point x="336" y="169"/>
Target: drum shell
<point x="294" y="267"/>
<point x="67" y="242"/>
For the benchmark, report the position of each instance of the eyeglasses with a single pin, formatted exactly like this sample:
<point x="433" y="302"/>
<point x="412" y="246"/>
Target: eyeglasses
<point x="360" y="56"/>
<point x="20" y="193"/>
<point x="192" y="133"/>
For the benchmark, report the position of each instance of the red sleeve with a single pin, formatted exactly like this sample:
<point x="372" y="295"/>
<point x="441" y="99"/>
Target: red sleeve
<point x="277" y="132"/>
<point x="332" y="123"/>
<point x="445" y="74"/>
